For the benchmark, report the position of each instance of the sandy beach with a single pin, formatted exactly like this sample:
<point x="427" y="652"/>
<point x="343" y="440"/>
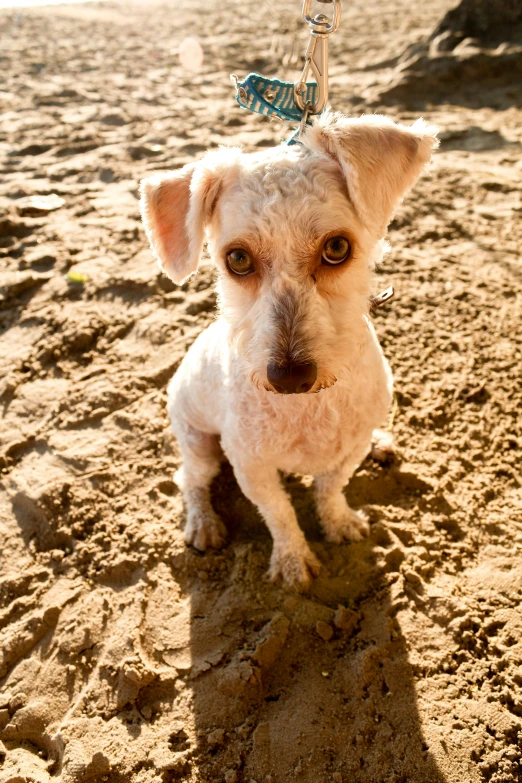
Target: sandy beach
<point x="127" y="657"/>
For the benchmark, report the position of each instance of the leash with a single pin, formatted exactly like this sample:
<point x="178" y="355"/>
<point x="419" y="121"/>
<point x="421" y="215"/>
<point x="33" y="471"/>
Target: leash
<point x="298" y="101"/>
<point x="295" y="101"/>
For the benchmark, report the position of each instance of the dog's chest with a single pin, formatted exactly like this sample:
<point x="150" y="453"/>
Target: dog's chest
<point x="312" y="434"/>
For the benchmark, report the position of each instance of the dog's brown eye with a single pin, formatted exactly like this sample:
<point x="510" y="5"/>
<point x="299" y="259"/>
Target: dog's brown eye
<point x="239" y="262"/>
<point x="336" y="250"/>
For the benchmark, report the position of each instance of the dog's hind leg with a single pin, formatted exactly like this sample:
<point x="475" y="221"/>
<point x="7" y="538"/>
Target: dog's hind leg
<point x="292" y="559"/>
<point x="338" y="520"/>
<point x="202" y="456"/>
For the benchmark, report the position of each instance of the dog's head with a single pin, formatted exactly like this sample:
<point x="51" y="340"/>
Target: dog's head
<point x="294" y="232"/>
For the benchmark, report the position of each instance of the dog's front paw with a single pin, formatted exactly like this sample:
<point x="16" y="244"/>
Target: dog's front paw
<point x="205" y="530"/>
<point x="295" y="568"/>
<point x="344" y="524"/>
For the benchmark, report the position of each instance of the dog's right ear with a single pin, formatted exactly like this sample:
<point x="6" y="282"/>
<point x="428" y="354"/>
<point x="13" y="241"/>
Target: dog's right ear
<point x="176" y="208"/>
<point x="173" y="218"/>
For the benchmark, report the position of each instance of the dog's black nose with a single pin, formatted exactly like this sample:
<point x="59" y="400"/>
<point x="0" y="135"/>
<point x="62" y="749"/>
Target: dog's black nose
<point x="292" y="378"/>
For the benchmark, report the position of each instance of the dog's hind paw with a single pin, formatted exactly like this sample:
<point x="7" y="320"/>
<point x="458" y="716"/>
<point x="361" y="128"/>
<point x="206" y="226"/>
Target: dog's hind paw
<point x="383" y="447"/>
<point x="205" y="530"/>
<point x="349" y="525"/>
<point x="294" y="568"/>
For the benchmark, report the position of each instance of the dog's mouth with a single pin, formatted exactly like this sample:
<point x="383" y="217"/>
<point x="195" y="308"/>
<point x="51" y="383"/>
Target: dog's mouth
<point x="316" y="388"/>
<point x="294" y="385"/>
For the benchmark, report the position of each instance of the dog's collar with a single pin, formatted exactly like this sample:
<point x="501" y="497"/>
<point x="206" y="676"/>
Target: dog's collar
<point x="271" y="96"/>
<point x="274" y="97"/>
<point x="380" y="299"/>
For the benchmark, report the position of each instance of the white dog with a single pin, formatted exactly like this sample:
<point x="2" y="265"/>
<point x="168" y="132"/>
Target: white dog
<point x="290" y="377"/>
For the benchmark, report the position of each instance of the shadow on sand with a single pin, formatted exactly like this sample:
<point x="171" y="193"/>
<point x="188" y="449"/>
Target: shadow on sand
<point x="234" y="679"/>
<point x="473" y="78"/>
<point x="311" y="688"/>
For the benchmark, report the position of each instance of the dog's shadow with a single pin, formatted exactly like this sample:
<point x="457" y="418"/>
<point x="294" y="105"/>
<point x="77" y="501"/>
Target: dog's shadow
<point x="315" y="686"/>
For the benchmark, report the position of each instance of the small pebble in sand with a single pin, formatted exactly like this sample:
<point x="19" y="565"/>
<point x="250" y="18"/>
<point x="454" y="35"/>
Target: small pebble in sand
<point x="324" y="630"/>
<point x="231" y="776"/>
<point x="216" y="737"/>
<point x="18" y="701"/>
<point x="345" y="619"/>
<point x="412" y="578"/>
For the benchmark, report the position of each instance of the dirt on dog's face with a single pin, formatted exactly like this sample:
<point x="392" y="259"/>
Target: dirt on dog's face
<point x="294" y="263"/>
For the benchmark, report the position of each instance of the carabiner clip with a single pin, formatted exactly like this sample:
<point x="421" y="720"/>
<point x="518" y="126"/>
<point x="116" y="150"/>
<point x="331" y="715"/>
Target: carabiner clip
<point x="331" y="26"/>
<point x="316" y="56"/>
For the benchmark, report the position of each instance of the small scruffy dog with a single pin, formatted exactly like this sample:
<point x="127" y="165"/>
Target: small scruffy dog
<point x="290" y="377"/>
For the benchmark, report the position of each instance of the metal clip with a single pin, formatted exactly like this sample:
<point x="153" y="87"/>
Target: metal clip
<point x="304" y="120"/>
<point x="316" y="56"/>
<point x="336" y="19"/>
<point x="380" y="299"/>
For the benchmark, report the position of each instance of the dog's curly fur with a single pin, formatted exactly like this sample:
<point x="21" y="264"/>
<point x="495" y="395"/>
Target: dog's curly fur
<point x="346" y="178"/>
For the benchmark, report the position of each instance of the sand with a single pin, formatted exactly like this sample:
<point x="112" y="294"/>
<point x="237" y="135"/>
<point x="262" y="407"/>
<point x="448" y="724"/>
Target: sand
<point x="125" y="656"/>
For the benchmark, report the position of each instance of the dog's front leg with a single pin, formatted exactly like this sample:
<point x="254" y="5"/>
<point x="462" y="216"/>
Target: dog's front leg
<point x="202" y="457"/>
<point x="338" y="520"/>
<point x="292" y="559"/>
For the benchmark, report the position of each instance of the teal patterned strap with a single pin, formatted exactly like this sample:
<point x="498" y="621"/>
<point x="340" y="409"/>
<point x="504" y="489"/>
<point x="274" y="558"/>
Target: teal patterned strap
<point x="272" y="96"/>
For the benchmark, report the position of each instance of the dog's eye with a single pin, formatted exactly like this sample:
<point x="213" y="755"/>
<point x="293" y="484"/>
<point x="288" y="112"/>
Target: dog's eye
<point x="239" y="262"/>
<point x="336" y="250"/>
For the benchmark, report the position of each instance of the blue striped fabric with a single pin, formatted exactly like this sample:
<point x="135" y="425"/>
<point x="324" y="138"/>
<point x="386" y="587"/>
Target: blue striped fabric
<point x="251" y="94"/>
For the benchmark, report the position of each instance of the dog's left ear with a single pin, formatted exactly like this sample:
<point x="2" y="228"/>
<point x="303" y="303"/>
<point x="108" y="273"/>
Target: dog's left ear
<point x="380" y="160"/>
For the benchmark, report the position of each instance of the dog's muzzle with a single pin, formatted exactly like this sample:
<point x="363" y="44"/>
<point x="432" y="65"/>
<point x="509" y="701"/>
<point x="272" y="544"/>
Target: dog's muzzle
<point x="292" y="378"/>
